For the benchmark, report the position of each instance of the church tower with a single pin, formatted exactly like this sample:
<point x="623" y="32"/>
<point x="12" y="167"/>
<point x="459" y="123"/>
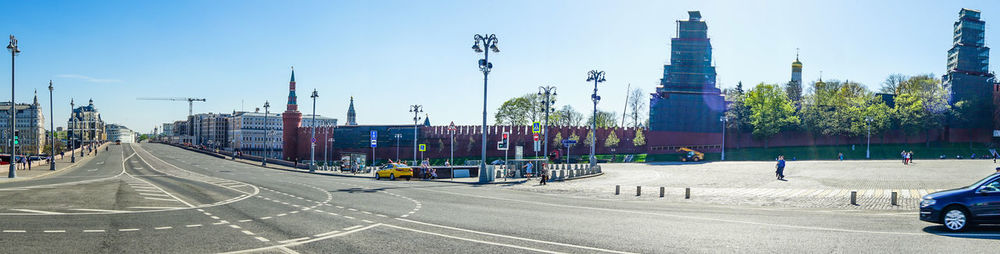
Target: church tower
<point x="797" y="69"/>
<point x="291" y="119"/>
<point x="351" y="115"/>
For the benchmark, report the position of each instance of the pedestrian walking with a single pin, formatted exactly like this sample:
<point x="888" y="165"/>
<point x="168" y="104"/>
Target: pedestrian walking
<point x="528" y="169"/>
<point x="902" y="154"/>
<point x="909" y="157"/>
<point x="545" y="174"/>
<point x="841" y="156"/>
<point x="780" y="172"/>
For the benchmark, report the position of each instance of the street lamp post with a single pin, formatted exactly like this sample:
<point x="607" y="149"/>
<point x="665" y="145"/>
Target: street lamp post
<point x="547" y="101"/>
<point x="868" y="149"/>
<point x="723" y="119"/>
<point x="597" y="77"/>
<point x="52" y="130"/>
<point x="267" y="135"/>
<point x="12" y="47"/>
<point x="312" y="142"/>
<point x="69" y="137"/>
<point x="398" y="136"/>
<point x="490" y="43"/>
<point x="416" y="110"/>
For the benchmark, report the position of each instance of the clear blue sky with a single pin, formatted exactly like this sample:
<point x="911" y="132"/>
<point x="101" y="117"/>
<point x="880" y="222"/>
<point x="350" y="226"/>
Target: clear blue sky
<point x="390" y="54"/>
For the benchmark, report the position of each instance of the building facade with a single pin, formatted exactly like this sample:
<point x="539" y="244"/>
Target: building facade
<point x="291" y="120"/>
<point x="254" y="135"/>
<point x="30" y="126"/>
<point x="120" y="133"/>
<point x="687" y="99"/>
<point x="85" y="125"/>
<point x="351" y="114"/>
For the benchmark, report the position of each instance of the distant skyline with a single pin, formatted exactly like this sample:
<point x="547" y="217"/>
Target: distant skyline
<point x="391" y="54"/>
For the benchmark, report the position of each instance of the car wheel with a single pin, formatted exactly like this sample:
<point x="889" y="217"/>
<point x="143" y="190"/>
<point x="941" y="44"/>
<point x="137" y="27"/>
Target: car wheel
<point x="409" y="177"/>
<point x="955" y="219"/>
<point x="392" y="176"/>
<point x="378" y="177"/>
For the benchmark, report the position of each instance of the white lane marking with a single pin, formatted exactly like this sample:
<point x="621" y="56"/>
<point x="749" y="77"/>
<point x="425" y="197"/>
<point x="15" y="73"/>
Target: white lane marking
<point x="381" y="215"/>
<point x="215" y="217"/>
<point x="283" y="214"/>
<point x="352" y="209"/>
<point x="265" y="218"/>
<point x="368" y="221"/>
<point x="511" y="237"/>
<point x="154" y="207"/>
<point x="349" y="217"/>
<point x="293" y="212"/>
<point x="352" y="227"/>
<point x="167" y="199"/>
<point x="128" y="229"/>
<point x="154" y="194"/>
<point x="162" y="228"/>
<point x="36" y="211"/>
<point x="193" y="225"/>
<point x="15" y="231"/>
<point x="294" y="240"/>
<point x="327" y="235"/>
<point x="93" y="231"/>
<point x="235" y="226"/>
<point x="473" y="240"/>
<point x="99" y="210"/>
<point x="245" y="220"/>
<point x="247" y="232"/>
<point x="262" y="239"/>
<point x="157" y="187"/>
<point x="54" y="231"/>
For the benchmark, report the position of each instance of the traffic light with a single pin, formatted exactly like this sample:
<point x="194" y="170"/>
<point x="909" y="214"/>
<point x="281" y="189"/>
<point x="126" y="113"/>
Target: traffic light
<point x="16" y="133"/>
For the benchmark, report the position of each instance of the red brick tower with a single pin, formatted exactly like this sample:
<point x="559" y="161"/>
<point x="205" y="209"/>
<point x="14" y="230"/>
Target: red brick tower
<point x="291" y="120"/>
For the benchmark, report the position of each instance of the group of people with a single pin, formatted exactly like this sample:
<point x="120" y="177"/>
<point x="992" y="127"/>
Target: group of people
<point x="529" y="170"/>
<point x="907" y="157"/>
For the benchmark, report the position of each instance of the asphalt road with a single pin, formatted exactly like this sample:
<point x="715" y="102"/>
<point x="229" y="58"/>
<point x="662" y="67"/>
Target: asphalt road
<point x="153" y="198"/>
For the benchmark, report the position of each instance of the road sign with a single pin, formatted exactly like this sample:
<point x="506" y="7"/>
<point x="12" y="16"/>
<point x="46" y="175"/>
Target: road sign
<point x="423" y="147"/>
<point x="535" y="136"/>
<point x="374" y="139"/>
<point x="374" y="143"/>
<point x="538" y="146"/>
<point x="374" y="135"/>
<point x="568" y="142"/>
<point x="501" y="146"/>
<point x="451" y="127"/>
<point x="518" y="152"/>
<point x="536" y="127"/>
<point x="314" y="140"/>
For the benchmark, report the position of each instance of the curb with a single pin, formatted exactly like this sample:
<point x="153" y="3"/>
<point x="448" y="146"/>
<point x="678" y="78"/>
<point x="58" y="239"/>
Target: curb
<point x="582" y="177"/>
<point x="71" y="167"/>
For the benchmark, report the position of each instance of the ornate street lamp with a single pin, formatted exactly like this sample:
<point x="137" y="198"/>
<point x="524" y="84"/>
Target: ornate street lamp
<point x="597" y="77"/>
<point x="490" y="42"/>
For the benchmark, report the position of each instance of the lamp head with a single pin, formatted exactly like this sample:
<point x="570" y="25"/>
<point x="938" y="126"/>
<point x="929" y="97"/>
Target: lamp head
<point x="494" y="48"/>
<point x="475" y="47"/>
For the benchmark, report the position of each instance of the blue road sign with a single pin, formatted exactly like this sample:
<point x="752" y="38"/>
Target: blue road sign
<point x="374" y="135"/>
<point x="374" y="143"/>
<point x="536" y="127"/>
<point x="568" y="142"/>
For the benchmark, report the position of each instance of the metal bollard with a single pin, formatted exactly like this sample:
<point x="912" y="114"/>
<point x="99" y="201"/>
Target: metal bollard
<point x="687" y="193"/>
<point x="638" y="191"/>
<point x="618" y="189"/>
<point x="893" y="201"/>
<point x="854" y="197"/>
<point x="661" y="191"/>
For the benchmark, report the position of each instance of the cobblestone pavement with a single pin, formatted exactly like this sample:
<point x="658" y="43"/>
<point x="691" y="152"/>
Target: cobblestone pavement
<point x="810" y="184"/>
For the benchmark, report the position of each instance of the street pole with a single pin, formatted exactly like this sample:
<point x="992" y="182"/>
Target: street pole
<point x="398" y="136"/>
<point x="69" y="136"/>
<point x="451" y="158"/>
<point x="312" y="141"/>
<point x="597" y="77"/>
<point x="490" y="43"/>
<point x="52" y="129"/>
<point x="724" y="119"/>
<point x="416" y="110"/>
<point x="12" y="47"/>
<point x="267" y="135"/>
<point x="548" y="101"/>
<point x="868" y="149"/>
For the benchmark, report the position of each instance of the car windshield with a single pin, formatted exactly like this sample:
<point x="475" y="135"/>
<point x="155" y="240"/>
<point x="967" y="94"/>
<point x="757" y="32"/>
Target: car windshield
<point x="980" y="182"/>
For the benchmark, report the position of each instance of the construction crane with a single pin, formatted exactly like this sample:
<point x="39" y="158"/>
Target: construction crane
<point x="189" y="100"/>
<point x="190" y="106"/>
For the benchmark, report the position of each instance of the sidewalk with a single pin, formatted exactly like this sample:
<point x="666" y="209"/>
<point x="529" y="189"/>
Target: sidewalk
<point x="40" y="169"/>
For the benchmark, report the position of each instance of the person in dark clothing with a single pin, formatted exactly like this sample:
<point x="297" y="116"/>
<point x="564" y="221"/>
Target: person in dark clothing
<point x="780" y="173"/>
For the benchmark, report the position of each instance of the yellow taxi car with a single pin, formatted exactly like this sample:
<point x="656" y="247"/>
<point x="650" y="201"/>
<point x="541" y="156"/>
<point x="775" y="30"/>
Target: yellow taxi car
<point x="394" y="170"/>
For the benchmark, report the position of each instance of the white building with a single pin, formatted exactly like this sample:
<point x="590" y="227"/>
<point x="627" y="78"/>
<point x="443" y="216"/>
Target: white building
<point x="247" y="131"/>
<point x="119" y="133"/>
<point x="30" y="127"/>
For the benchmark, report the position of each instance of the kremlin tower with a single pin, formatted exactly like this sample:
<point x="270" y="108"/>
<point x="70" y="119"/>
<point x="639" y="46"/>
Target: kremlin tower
<point x="291" y="120"/>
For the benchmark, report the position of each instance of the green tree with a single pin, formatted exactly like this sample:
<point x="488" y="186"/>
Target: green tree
<point x="574" y="137"/>
<point x="770" y="111"/>
<point x="922" y="105"/>
<point x="558" y="139"/>
<point x="515" y="111"/>
<point x="589" y="139"/>
<point x="612" y="139"/>
<point x="605" y="119"/>
<point x="639" y="139"/>
<point x="737" y="113"/>
<point x="566" y="116"/>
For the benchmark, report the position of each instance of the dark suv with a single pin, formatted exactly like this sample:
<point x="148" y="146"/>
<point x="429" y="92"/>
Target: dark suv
<point x="960" y="208"/>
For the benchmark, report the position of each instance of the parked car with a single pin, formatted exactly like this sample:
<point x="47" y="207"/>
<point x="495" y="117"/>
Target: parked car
<point x="958" y="209"/>
<point x="393" y="171"/>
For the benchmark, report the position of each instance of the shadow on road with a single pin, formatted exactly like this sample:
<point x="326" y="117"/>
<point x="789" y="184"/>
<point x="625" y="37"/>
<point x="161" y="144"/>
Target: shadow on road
<point x="978" y="232"/>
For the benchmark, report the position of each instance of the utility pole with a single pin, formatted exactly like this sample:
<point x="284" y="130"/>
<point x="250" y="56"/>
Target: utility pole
<point x="489" y="42"/>
<point x="397" y="136"/>
<point x="724" y="119"/>
<point x="52" y="130"/>
<point x="597" y="77"/>
<point x="267" y="135"/>
<point x="547" y="101"/>
<point x="416" y="110"/>
<point x="12" y="47"/>
<point x="71" y="132"/>
<point x="312" y="141"/>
